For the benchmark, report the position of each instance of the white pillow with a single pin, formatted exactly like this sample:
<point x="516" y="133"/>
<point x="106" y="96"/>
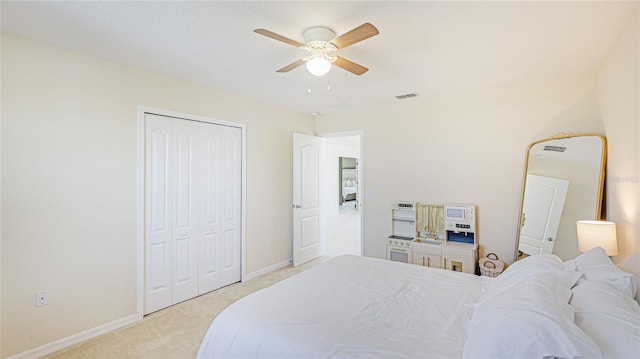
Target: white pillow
<point x="530" y="320"/>
<point x="609" y="317"/>
<point x="531" y="266"/>
<point x="632" y="265"/>
<point x="596" y="265"/>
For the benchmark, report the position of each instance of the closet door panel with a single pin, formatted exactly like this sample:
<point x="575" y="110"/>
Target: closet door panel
<point x="229" y="257"/>
<point x="159" y="278"/>
<point x="231" y="175"/>
<point x="231" y="204"/>
<point x="185" y="209"/>
<point x="183" y="250"/>
<point x="158" y="225"/>
<point x="210" y="213"/>
<point x="209" y="254"/>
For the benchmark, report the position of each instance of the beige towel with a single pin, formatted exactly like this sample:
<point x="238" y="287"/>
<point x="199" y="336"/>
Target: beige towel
<point x="430" y="219"/>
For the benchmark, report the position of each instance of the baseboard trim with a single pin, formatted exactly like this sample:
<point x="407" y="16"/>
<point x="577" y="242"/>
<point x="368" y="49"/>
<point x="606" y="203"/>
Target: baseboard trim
<point x="266" y="270"/>
<point x="76" y="338"/>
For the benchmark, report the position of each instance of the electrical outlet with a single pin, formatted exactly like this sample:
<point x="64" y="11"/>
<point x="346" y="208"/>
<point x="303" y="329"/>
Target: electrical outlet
<point x="42" y="298"/>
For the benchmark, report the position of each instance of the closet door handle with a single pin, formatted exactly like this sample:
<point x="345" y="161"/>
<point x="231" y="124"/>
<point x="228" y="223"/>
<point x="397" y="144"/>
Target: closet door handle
<point x="295" y="206"/>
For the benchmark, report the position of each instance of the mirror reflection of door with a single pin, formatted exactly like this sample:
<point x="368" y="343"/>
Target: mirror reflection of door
<point x="544" y="199"/>
<point x="578" y="159"/>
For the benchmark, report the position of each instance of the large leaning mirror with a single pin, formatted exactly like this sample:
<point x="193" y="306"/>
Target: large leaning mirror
<point x="563" y="183"/>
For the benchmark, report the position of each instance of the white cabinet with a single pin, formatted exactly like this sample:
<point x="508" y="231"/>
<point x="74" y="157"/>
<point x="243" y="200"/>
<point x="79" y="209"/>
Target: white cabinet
<point x="460" y="257"/>
<point x="192" y="209"/>
<point x="427" y="260"/>
<point x="451" y="256"/>
<point x="427" y="254"/>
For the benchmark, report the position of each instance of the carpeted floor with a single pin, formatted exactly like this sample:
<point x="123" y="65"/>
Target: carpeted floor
<point x="176" y="332"/>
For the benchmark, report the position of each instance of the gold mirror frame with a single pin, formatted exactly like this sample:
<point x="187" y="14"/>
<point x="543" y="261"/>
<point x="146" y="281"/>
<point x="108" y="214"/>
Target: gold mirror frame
<point x="600" y="186"/>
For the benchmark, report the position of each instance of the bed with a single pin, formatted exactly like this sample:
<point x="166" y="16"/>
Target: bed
<point x="363" y="307"/>
<point x="349" y="184"/>
<point x="349" y="192"/>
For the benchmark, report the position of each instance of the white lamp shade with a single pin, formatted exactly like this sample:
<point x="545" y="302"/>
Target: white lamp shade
<point x="318" y="66"/>
<point x="597" y="234"/>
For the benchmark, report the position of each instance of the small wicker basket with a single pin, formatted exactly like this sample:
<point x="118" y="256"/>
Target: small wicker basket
<point x="491" y="266"/>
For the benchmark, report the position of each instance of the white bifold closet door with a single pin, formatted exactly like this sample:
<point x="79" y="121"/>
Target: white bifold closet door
<point x="192" y="209"/>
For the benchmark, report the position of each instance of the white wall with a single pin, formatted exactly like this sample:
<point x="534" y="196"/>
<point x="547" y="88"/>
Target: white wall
<point x="407" y="158"/>
<point x="618" y="89"/>
<point x="468" y="148"/>
<point x="69" y="184"/>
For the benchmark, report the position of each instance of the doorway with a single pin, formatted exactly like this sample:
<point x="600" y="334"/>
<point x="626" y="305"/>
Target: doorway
<point x="343" y="196"/>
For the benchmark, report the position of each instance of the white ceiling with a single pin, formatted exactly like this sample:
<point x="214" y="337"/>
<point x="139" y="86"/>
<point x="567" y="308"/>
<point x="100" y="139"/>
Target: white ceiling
<point x="430" y="48"/>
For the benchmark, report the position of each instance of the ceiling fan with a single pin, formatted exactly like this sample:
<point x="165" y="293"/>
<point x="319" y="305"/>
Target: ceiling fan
<point x="321" y="42"/>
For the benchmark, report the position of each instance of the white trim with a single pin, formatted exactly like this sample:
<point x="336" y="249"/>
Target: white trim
<point x="188" y="116"/>
<point x="140" y="193"/>
<point x="243" y="196"/>
<point x="268" y="269"/>
<point x="76" y="338"/>
<point x="140" y="216"/>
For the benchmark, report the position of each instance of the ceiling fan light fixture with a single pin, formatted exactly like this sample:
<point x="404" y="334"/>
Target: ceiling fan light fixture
<point x="321" y="42"/>
<point x="318" y="65"/>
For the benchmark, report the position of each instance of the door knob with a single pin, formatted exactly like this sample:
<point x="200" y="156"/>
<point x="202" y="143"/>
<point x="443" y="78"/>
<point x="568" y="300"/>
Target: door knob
<point x="297" y="206"/>
<point x="550" y="239"/>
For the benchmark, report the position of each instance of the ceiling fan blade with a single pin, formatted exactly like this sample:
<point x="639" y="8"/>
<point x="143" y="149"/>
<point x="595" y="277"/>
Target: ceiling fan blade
<point x="273" y="35"/>
<point x="358" y="34"/>
<point x="350" y="66"/>
<point x="292" y="66"/>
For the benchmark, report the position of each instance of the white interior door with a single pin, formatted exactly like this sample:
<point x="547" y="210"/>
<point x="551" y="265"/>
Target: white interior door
<point x="158" y="223"/>
<point x="209" y="213"/>
<point x="220" y="204"/>
<point x="193" y="209"/>
<point x="308" y="220"/>
<point x="542" y="209"/>
<point x="231" y="206"/>
<point x="184" y="248"/>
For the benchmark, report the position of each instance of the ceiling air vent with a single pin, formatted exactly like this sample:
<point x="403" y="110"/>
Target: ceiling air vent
<point x="554" y="148"/>
<point x="406" y="96"/>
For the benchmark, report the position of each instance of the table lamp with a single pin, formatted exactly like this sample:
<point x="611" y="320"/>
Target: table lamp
<point x="597" y="234"/>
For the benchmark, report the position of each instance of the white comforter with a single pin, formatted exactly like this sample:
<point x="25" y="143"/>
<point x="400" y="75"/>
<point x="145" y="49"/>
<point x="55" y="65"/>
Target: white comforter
<point x="349" y="307"/>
